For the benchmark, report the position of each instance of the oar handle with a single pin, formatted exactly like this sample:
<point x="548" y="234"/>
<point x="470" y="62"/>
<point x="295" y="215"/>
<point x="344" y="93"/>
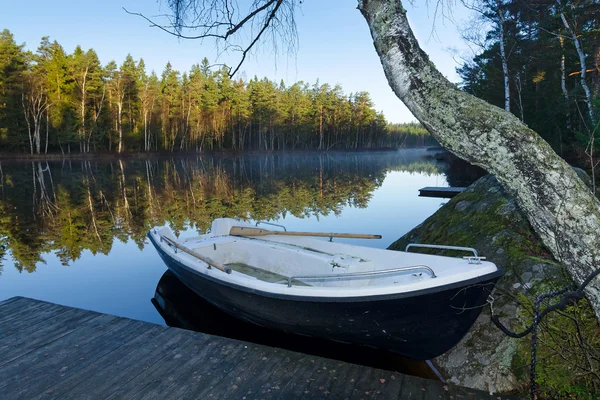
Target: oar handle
<point x="249" y="231"/>
<point x="335" y="235"/>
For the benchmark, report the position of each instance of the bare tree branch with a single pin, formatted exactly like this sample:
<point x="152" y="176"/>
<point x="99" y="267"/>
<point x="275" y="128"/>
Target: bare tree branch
<point x="232" y="30"/>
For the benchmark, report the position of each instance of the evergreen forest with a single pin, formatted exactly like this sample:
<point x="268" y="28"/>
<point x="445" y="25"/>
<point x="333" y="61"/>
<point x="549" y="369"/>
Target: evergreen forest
<point x="541" y="61"/>
<point x="53" y="101"/>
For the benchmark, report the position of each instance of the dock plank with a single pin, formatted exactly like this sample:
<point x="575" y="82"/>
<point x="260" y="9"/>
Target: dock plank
<point x="391" y="385"/>
<point x="27" y="316"/>
<point x="121" y="371"/>
<point x="189" y="363"/>
<point x="138" y="335"/>
<point x="207" y="373"/>
<point x="415" y="389"/>
<point x="322" y="380"/>
<point x="345" y="379"/>
<point x="172" y="364"/>
<point x="49" y="351"/>
<point x="220" y="369"/>
<point x="53" y="356"/>
<point x="10" y="300"/>
<point x="8" y="305"/>
<point x="271" y="388"/>
<point x="363" y="385"/>
<point x="296" y="388"/>
<point x="53" y="368"/>
<point x="243" y="380"/>
<point x="38" y="335"/>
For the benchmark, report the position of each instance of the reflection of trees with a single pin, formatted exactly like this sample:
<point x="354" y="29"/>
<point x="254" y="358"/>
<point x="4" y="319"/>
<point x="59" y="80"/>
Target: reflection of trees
<point x="422" y="167"/>
<point x="71" y="206"/>
<point x="3" y="248"/>
<point x="461" y="173"/>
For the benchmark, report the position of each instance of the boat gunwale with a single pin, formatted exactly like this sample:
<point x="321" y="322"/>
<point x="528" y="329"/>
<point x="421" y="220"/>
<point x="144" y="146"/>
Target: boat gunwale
<point x="333" y="299"/>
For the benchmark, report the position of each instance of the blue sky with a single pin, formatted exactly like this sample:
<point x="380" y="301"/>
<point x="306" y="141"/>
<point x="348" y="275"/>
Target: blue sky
<point x="335" y="43"/>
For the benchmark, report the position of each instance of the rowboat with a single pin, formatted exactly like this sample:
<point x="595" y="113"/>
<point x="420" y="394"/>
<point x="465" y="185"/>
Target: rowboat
<point x="418" y="305"/>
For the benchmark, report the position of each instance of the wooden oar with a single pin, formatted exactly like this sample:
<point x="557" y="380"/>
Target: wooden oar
<point x="200" y="257"/>
<point x="248" y="231"/>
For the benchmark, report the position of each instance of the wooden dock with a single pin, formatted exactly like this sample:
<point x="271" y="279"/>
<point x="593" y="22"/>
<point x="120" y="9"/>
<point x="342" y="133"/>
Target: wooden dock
<point x="50" y="351"/>
<point x="445" y="192"/>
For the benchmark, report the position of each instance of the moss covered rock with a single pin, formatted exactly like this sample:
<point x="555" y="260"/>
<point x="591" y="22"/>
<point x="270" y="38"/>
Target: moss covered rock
<point x="486" y="218"/>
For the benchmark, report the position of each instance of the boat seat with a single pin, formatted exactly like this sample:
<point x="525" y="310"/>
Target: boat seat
<point x="345" y="264"/>
<point x="351" y="263"/>
<point x="262" y="275"/>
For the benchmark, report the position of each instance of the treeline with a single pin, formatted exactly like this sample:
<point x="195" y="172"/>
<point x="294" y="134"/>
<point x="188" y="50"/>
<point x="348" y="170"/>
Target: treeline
<point x="59" y="102"/>
<point x="541" y="61"/>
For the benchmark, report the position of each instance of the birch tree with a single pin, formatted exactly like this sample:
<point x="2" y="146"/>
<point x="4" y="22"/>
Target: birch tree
<point x="148" y="93"/>
<point x="35" y="104"/>
<point x="571" y="32"/>
<point x="117" y="89"/>
<point x="80" y="73"/>
<point x="495" y="12"/>
<point x="562" y="210"/>
<point x="56" y="73"/>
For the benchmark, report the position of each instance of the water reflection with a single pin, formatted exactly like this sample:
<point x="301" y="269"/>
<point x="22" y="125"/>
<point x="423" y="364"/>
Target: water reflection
<point x="64" y="208"/>
<point x="182" y="308"/>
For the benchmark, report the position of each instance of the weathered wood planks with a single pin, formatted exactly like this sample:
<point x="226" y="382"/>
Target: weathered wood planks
<point x="49" y="351"/>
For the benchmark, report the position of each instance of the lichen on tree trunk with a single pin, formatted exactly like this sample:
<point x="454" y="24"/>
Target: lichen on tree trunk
<point x="561" y="209"/>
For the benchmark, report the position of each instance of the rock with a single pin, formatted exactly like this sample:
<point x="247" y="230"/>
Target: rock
<point x="484" y="205"/>
<point x="538" y="267"/>
<point x="486" y="218"/>
<point x="507" y="209"/>
<point x="526" y="277"/>
<point x="462" y="205"/>
<point x="542" y="271"/>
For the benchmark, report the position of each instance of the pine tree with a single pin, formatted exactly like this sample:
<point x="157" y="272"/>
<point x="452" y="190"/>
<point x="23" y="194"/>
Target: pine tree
<point x="12" y="68"/>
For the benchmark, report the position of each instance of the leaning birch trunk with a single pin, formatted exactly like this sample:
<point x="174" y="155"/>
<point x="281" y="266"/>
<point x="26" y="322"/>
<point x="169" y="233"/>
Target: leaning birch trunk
<point x="561" y="209"/>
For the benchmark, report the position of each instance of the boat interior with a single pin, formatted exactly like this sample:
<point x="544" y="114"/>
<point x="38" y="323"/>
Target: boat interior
<point x="282" y="263"/>
<point x="303" y="261"/>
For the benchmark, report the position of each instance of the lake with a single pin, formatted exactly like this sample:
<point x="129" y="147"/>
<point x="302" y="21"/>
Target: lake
<point x="73" y="232"/>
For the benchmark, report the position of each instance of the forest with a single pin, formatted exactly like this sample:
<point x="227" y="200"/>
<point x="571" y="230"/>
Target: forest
<point x="541" y="62"/>
<point x="52" y="101"/>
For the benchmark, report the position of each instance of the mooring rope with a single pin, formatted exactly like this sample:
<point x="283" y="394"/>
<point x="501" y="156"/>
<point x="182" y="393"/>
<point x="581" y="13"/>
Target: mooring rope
<point x="571" y="294"/>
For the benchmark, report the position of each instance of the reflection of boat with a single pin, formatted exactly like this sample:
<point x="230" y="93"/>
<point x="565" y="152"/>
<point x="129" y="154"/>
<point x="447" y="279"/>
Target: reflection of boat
<point x="418" y="305"/>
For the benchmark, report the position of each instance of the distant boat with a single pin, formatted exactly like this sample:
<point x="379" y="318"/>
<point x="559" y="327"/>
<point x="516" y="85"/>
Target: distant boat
<point x="418" y="305"/>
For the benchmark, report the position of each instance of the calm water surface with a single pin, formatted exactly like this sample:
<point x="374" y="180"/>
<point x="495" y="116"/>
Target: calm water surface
<point x="73" y="232"/>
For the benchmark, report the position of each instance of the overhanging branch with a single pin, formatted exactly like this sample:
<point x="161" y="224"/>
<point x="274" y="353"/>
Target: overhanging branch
<point x="221" y="20"/>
